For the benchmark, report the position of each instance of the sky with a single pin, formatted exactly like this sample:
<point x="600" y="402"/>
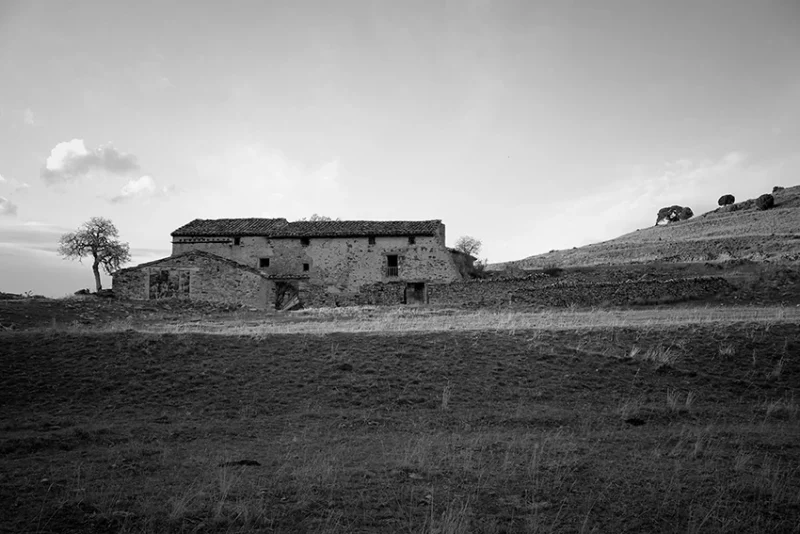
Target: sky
<point x="529" y="125"/>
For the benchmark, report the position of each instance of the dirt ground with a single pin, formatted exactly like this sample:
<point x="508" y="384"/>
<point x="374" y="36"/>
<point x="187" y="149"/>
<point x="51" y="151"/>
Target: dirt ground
<point x="681" y="428"/>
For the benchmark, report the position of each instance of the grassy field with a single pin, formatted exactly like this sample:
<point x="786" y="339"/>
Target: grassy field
<point x="435" y="421"/>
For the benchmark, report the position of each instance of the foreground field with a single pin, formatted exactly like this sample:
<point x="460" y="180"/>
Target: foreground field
<point x="648" y="424"/>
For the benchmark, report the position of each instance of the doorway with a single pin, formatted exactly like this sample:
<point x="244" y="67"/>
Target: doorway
<point x="416" y="293"/>
<point x="287" y="296"/>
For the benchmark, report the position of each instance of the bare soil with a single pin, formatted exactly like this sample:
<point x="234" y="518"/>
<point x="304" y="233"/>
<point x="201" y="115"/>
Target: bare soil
<point x="683" y="428"/>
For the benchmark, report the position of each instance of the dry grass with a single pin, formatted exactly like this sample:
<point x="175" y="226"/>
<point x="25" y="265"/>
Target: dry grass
<point x="460" y="429"/>
<point x="373" y="319"/>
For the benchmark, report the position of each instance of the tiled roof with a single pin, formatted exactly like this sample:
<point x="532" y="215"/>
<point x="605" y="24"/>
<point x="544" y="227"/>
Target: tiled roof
<point x="356" y="228"/>
<point x="282" y="228"/>
<point x="229" y="227"/>
<point x="200" y="253"/>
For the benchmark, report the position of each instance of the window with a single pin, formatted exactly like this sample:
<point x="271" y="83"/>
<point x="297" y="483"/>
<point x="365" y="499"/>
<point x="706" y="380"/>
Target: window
<point x="392" y="268"/>
<point x="412" y="240"/>
<point x="237" y="241"/>
<point x="263" y="262"/>
<point x="305" y="241"/>
<point x="306" y="266"/>
<point x="371" y="240"/>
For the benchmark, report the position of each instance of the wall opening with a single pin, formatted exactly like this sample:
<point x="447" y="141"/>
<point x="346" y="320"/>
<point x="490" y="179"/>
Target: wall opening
<point x="412" y="240"/>
<point x="237" y="241"/>
<point x="263" y="262"/>
<point x="416" y="293"/>
<point x="169" y="284"/>
<point x="306" y="267"/>
<point x="287" y="295"/>
<point x="392" y="268"/>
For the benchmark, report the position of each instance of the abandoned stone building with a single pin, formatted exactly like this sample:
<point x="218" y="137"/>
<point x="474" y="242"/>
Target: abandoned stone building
<point x="273" y="263"/>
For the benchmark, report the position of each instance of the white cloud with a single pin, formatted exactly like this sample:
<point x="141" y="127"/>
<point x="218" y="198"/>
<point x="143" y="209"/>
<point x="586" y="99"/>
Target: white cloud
<point x="29" y="117"/>
<point x="141" y="188"/>
<point x="71" y="160"/>
<point x="7" y="207"/>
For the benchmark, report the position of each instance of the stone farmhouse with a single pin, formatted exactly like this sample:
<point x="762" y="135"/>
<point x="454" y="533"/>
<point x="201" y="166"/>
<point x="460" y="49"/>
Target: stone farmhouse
<point x="276" y="264"/>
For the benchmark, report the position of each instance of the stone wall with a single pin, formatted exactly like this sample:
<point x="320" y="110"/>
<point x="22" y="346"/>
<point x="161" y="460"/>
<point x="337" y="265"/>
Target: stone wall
<point x="340" y="265"/>
<point x="537" y="292"/>
<point x="196" y="277"/>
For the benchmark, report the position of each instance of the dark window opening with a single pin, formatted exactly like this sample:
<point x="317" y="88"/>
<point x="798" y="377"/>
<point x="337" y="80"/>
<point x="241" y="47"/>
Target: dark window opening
<point x="305" y="241"/>
<point x="237" y="241"/>
<point x="392" y="268"/>
<point x="412" y="240"/>
<point x="263" y="262"/>
<point x="169" y="284"/>
<point x="306" y="266"/>
<point x="372" y="240"/>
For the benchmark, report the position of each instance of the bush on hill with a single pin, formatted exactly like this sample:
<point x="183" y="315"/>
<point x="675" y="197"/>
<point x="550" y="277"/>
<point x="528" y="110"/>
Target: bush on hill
<point x="765" y="202"/>
<point x="726" y="200"/>
<point x="672" y="214"/>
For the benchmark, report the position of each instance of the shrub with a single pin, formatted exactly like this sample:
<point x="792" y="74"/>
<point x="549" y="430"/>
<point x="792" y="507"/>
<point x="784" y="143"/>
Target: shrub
<point x="726" y="200"/>
<point x="672" y="214"/>
<point x="777" y="188"/>
<point x="765" y="202"/>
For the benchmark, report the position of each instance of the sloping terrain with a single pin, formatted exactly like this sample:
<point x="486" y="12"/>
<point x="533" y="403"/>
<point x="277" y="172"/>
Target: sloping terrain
<point x="738" y="232"/>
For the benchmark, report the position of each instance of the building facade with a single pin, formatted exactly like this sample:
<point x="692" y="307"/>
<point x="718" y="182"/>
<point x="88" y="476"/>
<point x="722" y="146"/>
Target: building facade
<point x="310" y="262"/>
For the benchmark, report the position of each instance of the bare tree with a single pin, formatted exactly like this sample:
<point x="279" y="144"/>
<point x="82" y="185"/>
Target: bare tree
<point x="469" y="245"/>
<point x="96" y="238"/>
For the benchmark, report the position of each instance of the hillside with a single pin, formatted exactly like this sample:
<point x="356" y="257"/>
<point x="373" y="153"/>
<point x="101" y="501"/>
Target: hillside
<point x="737" y="232"/>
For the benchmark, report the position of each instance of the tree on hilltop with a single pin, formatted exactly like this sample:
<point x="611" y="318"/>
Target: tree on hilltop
<point x="317" y="218"/>
<point x="96" y="238"/>
<point x="469" y="245"/>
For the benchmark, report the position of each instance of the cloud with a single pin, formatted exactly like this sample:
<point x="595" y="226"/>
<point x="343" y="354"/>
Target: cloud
<point x="635" y="193"/>
<point x="71" y="160"/>
<point x="7" y="207"/>
<point x="29" y="117"/>
<point x="140" y="188"/>
<point x="16" y="184"/>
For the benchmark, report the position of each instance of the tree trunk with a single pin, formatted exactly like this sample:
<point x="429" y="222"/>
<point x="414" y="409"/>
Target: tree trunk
<point x="96" y="271"/>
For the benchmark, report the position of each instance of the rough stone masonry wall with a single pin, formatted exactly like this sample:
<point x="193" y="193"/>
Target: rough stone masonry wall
<point x="210" y="280"/>
<point x="341" y="265"/>
<point x="563" y="294"/>
<point x="535" y="291"/>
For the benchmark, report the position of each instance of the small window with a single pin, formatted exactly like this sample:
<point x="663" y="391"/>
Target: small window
<point x="263" y="262"/>
<point x="305" y="266"/>
<point x="237" y="241"/>
<point x="371" y="240"/>
<point x="412" y="240"/>
<point x="392" y="268"/>
<point x="305" y="241"/>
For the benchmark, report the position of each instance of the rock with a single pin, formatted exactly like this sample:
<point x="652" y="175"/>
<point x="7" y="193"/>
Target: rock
<point x="777" y="188"/>
<point x="765" y="202"/>
<point x="83" y="292"/>
<point x="726" y="200"/>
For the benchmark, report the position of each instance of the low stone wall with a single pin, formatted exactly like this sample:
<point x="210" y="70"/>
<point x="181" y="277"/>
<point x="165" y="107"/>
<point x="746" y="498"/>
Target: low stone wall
<point x="534" y="292"/>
